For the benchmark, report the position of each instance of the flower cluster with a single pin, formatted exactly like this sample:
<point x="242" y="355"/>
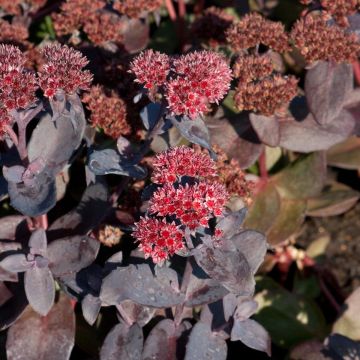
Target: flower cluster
<point x="63" y="70"/>
<point x="136" y="8"/>
<point x="182" y="161"/>
<point x="107" y="112"/>
<point x="109" y="235"/>
<point x="317" y="40"/>
<point x="158" y="238"/>
<point x="15" y="7"/>
<point x="253" y="30"/>
<point x="189" y="197"/>
<point x="212" y="26"/>
<point x="12" y="33"/>
<point x="102" y="27"/>
<point x="259" y="89"/>
<point x="74" y="14"/>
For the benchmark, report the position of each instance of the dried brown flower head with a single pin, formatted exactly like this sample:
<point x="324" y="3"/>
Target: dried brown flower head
<point x="136" y="8"/>
<point x="103" y="27"/>
<point x="266" y="96"/>
<point x="212" y="26"/>
<point x="317" y="40"/>
<point x="107" y="112"/>
<point x="253" y="30"/>
<point x="110" y="235"/>
<point x="13" y="33"/>
<point x="74" y="14"/>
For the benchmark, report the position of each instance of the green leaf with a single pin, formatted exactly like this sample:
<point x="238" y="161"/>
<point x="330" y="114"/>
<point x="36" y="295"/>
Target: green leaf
<point x="289" y="318"/>
<point x="164" y="38"/>
<point x="345" y="155"/>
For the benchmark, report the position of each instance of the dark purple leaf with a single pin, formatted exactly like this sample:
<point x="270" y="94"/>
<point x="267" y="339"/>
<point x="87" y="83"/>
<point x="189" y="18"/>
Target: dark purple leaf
<point x="267" y="128"/>
<point x="341" y="347"/>
<point x="13" y="173"/>
<point x="230" y="268"/>
<point x="93" y="206"/>
<point x="38" y="242"/>
<point x="137" y="283"/>
<point x="123" y="343"/>
<point x="36" y="199"/>
<point x="231" y="224"/>
<point x="90" y="306"/>
<point x="161" y="342"/>
<point x="252" y="334"/>
<point x="3" y="188"/>
<point x="136" y="35"/>
<point x="150" y="115"/>
<point x="204" y="344"/>
<point x="237" y="138"/>
<point x="55" y="142"/>
<point x="203" y="291"/>
<point x="40" y="289"/>
<point x="15" y="263"/>
<point x="193" y="130"/>
<point x="308" y="136"/>
<point x="71" y="254"/>
<point x="34" y="337"/>
<point x="109" y="161"/>
<point x="327" y="86"/>
<point x="253" y="245"/>
<point x="136" y="313"/>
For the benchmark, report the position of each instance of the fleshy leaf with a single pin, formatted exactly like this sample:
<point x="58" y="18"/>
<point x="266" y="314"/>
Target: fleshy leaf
<point x="34" y="337"/>
<point x="90" y="306"/>
<point x="15" y="263"/>
<point x="38" y="242"/>
<point x="40" y="289"/>
<point x="14" y="173"/>
<point x="123" y="342"/>
<point x="231" y="224"/>
<point x="203" y="344"/>
<point x="137" y="313"/>
<point x="345" y="155"/>
<point x="136" y="35"/>
<point x="267" y="128"/>
<point x="150" y="114"/>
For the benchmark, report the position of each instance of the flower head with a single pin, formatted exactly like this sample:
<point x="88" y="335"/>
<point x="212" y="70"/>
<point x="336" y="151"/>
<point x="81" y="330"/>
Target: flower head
<point x="107" y="112"/>
<point x="63" y="70"/>
<point x="151" y="68"/>
<point x="203" y="77"/>
<point x="13" y="33"/>
<point x="136" y="8"/>
<point x="14" y="7"/>
<point x="171" y="165"/>
<point x="5" y="121"/>
<point x="253" y="30"/>
<point x="317" y="40"/>
<point x="11" y="58"/>
<point x="340" y="9"/>
<point x="158" y="239"/>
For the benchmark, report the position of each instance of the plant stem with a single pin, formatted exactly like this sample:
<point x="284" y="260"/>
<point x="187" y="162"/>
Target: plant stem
<point x="181" y="22"/>
<point x="356" y="67"/>
<point x="12" y="135"/>
<point x="264" y="175"/>
<point x="199" y="7"/>
<point x="171" y="10"/>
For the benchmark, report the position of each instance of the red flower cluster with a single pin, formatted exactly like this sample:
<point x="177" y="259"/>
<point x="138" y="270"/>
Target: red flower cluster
<point x="17" y="87"/>
<point x="14" y="7"/>
<point x="195" y="80"/>
<point x="194" y="205"/>
<point x="151" y="68"/>
<point x="158" y="239"/>
<point x="182" y="161"/>
<point x="188" y="206"/>
<point x="136" y="8"/>
<point x="63" y="70"/>
<point x="13" y="33"/>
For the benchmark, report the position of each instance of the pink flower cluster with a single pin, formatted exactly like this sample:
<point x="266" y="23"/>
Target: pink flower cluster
<point x="63" y="71"/>
<point x="182" y="161"/>
<point x="190" y="82"/>
<point x="180" y="206"/>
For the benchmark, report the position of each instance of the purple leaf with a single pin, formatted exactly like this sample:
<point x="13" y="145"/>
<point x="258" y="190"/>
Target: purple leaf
<point x="13" y="227"/>
<point x="253" y="245"/>
<point x="71" y="254"/>
<point x="267" y="128"/>
<point x="15" y="263"/>
<point x="136" y="35"/>
<point x="161" y="342"/>
<point x="123" y="343"/>
<point x="90" y="306"/>
<point x="252" y="334"/>
<point x="137" y="283"/>
<point x="246" y="307"/>
<point x="136" y="313"/>
<point x="14" y="173"/>
<point x="38" y="242"/>
<point x="204" y="344"/>
<point x="34" y="337"/>
<point x="231" y="224"/>
<point x="230" y="268"/>
<point x="109" y="161"/>
<point x="93" y="206"/>
<point x="150" y="115"/>
<point x="40" y="289"/>
<point x="193" y="130"/>
<point x="345" y="155"/>
<point x="327" y="86"/>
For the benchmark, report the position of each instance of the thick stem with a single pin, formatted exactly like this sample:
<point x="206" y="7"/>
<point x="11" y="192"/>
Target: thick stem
<point x="124" y="315"/>
<point x="356" y="67"/>
<point x="262" y="166"/>
<point x="12" y="135"/>
<point x="181" y="22"/>
<point x="171" y="10"/>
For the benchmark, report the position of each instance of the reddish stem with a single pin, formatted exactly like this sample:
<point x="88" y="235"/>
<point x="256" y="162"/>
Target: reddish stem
<point x="171" y="10"/>
<point x="12" y="135"/>
<point x="181" y="22"/>
<point x="199" y="7"/>
<point x="41" y="222"/>
<point x="262" y="166"/>
<point x="356" y="67"/>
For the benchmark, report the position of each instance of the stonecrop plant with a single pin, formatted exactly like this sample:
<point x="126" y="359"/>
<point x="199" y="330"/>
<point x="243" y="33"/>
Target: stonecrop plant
<point x="159" y="161"/>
